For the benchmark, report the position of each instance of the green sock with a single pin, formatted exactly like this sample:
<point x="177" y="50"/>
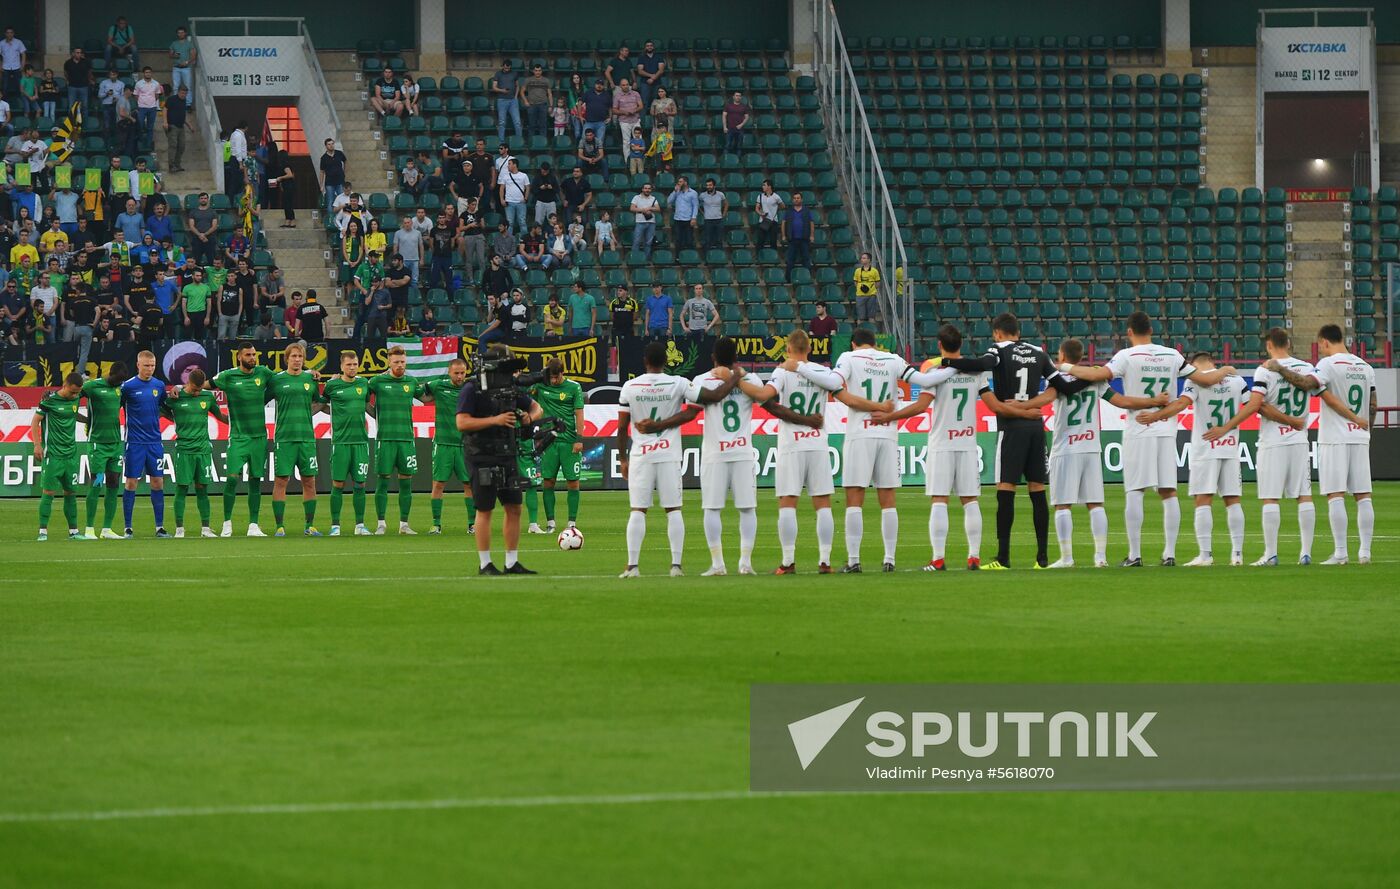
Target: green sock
<point x="109" y="507"/>
<point x="471" y="511"/>
<point x="308" y="509"/>
<point x="45" y="509"/>
<point x="201" y="498"/>
<point x="381" y="499"/>
<point x="70" y="509"/>
<point x="180" y="494"/>
<point x="405" y="498"/>
<point x="93" y="496"/>
<point x="359" y="499"/>
<point x="337" y="502"/>
<point x="549" y="504"/>
<point x="254" y="499"/>
<point x="279" y="512"/>
<point x="230" y="495"/>
<point x="573" y="505"/>
<point x="532" y="505"/>
<point x="437" y="512"/>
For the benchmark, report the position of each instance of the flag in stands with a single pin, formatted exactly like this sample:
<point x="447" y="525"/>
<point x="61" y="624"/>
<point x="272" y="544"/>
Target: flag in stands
<point x="429" y="356"/>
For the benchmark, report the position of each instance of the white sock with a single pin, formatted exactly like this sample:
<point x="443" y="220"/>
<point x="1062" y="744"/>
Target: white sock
<point x="1337" y="518"/>
<point x="636" y="533"/>
<point x="1270" y="519"/>
<point x="826" y="534"/>
<point x="484" y="558"/>
<point x="855" y="530"/>
<point x="1234" y="518"/>
<point x="938" y="529"/>
<point x="1132" y="523"/>
<point x="1098" y="526"/>
<point x="675" y="533"/>
<point x="1307" y="524"/>
<point x="972" y="528"/>
<point x="512" y="556"/>
<point x="1064" y="532"/>
<point x="787" y="533"/>
<point x="748" y="531"/>
<point x="1205" y="528"/>
<point x="1365" y="524"/>
<point x="889" y="531"/>
<point x="714" y="536"/>
<point x="1171" y="526"/>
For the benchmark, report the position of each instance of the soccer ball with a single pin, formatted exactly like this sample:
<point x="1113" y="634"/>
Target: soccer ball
<point x="571" y="538"/>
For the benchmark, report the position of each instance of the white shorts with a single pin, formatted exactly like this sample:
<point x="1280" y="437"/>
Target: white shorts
<point x="870" y="462"/>
<point x="1215" y="477"/>
<point x="1076" y="478"/>
<point x="663" y="478"/>
<point x="1285" y="472"/>
<point x="1344" y="468"/>
<point x="1149" y="463"/>
<point x="953" y="473"/>
<point x="795" y="469"/>
<point x="718" y="479"/>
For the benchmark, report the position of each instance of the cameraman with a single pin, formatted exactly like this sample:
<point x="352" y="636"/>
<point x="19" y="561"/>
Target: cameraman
<point x="489" y="438"/>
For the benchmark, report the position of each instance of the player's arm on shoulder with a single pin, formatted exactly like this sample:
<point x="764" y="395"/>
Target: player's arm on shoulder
<point x="1067" y="385"/>
<point x="855" y="402"/>
<point x="1090" y="373"/>
<point x="1270" y="412"/>
<point x="820" y="375"/>
<point x="1375" y="405"/>
<point x="1210" y="377"/>
<point x="1014" y="409"/>
<point x="680" y="418"/>
<point x="981" y="364"/>
<point x="1133" y="402"/>
<point x="713" y="394"/>
<point x="758" y="393"/>
<point x="1174" y="407"/>
<point x="782" y="412"/>
<point x="1330" y="399"/>
<point x="928" y="379"/>
<point x="1307" y="382"/>
<point x="912" y="409"/>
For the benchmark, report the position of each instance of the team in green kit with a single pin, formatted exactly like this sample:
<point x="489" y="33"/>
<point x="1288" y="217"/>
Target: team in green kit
<point x="561" y="399"/>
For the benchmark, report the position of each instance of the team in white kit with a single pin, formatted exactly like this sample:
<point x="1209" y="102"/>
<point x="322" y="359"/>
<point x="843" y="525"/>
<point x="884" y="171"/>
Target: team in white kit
<point x="655" y="405"/>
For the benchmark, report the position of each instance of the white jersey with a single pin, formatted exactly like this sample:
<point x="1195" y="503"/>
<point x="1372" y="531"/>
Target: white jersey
<point x="1285" y="396"/>
<point x="1350" y="379"/>
<point x="728" y="422"/>
<point x="1075" y="427"/>
<point x="806" y="397"/>
<point x="955" y="400"/>
<point x="1214" y="406"/>
<point x="654" y="397"/>
<point x="1147" y="371"/>
<point x="873" y="375"/>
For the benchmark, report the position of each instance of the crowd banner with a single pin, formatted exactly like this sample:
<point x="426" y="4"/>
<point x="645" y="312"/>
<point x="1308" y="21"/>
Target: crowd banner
<point x="585" y="359"/>
<point x="690" y="356"/>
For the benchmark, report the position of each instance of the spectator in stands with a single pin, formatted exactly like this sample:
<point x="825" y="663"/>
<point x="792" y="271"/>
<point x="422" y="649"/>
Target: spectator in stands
<point x="464" y="185"/>
<point x="619" y="68"/>
<point x="797" y="232"/>
<point x="203" y="225"/>
<point x="646" y="207"/>
<point x="699" y="317"/>
<point x="431" y="169"/>
<point x="264" y="329"/>
<point x="14" y="55"/>
<point x="519" y="314"/>
<point x="554" y="314"/>
<point x="397" y="280"/>
<point x="662" y="146"/>
<point x="578" y="92"/>
<point x="358" y="295"/>
<point x="237" y="248"/>
<point x="280" y="164"/>
<point x="484" y="172"/>
<point x="409" y="92"/>
<point x="353" y="209"/>
<point x="577" y="196"/>
<point x="514" y="195"/>
<point x="713" y="207"/>
<point x="494" y="329"/>
<point x="121" y="43"/>
<point x="471" y="240"/>
<point x="352" y="249"/>
<point x="411" y="179"/>
<point x="583" y="311"/>
<point x="182" y="59"/>
<point x="131" y="222"/>
<point x="272" y="292"/>
<point x="333" y="171"/>
<point x="867" y="281"/>
<point x="65" y="206"/>
<point x="768" y="206"/>
<point x="246" y="280"/>
<point x="379" y="305"/>
<point x="230" y="313"/>
<point x="651" y="67"/>
<point x="622" y="313"/>
<point x="109" y="93"/>
<point x="559" y="117"/>
<point x="496" y="280"/>
<point x="48" y="94"/>
<point x="559" y="251"/>
<point x="386" y="94"/>
<point x="537" y="94"/>
<point x="684" y="202"/>
<point x="531" y="250"/>
<point x="663" y="110"/>
<point x="7" y="126"/>
<point x="77" y="70"/>
<point x="408" y="247"/>
<point x="505" y="88"/>
<point x="311" y="319"/>
<point x="453" y="149"/>
<point x="603" y="236"/>
<point x="148" y="92"/>
<point x="636" y="151"/>
<point x="427" y="323"/>
<point x="660" y="313"/>
<point x="29" y="91"/>
<point x="500" y="166"/>
<point x="734" y="119"/>
<point x="545" y="189"/>
<point x="597" y="115"/>
<point x="440" y="241"/>
<point x="503" y="244"/>
<point x="177" y="122"/>
<point x="627" y="108"/>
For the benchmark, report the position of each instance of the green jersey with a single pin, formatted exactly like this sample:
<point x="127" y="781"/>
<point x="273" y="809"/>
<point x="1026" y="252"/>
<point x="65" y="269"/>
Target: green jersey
<point x="294" y="394"/>
<point x="60" y="425"/>
<point x="393" y="405"/>
<point x="444" y="411"/>
<point x="215" y="278"/>
<point x="560" y="402"/>
<point x="347" y="401"/>
<point x="104" y="412"/>
<point x="246" y="394"/>
<point x="191" y="414"/>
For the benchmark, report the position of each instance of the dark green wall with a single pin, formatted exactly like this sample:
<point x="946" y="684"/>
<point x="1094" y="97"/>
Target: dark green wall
<point x="1232" y="22"/>
<point x="334" y="24"/>
<point x="944" y="18"/>
<point x="689" y="19"/>
<point x="23" y="16"/>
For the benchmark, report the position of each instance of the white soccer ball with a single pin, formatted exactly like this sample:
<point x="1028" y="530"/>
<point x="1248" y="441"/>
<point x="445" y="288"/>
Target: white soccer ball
<point x="571" y="538"/>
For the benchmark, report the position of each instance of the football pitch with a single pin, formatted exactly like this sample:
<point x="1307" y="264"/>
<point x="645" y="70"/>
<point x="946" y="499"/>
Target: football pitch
<point x="367" y="711"/>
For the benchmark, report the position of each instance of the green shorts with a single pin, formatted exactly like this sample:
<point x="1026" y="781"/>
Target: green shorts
<point x="396" y="455"/>
<point x="105" y="457"/>
<point x="59" y="474"/>
<point x="196" y="468"/>
<point x="530" y="469"/>
<point x="560" y="457"/>
<point x="349" y="462"/>
<point x="449" y="463"/>
<point x="250" y="452"/>
<point x="298" y="455"/>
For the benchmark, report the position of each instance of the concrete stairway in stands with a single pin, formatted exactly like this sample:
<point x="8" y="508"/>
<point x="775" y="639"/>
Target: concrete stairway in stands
<point x="1228" y="126"/>
<point x="1318" y="295"/>
<point x="300" y="253"/>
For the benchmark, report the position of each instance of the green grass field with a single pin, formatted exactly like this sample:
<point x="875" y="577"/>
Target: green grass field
<point x="367" y="711"/>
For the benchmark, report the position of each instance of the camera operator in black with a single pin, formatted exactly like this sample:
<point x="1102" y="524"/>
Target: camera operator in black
<point x="490" y="422"/>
